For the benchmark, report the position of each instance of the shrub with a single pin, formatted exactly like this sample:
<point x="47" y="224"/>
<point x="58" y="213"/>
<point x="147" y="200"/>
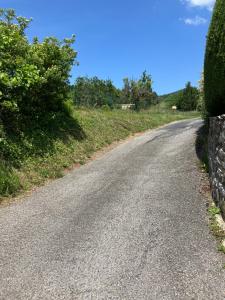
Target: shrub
<point x="54" y="60"/>
<point x="33" y="76"/>
<point x="214" y="68"/>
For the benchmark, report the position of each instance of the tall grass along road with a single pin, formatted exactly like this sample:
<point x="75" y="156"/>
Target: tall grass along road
<point x="130" y="225"/>
<point x="42" y="149"/>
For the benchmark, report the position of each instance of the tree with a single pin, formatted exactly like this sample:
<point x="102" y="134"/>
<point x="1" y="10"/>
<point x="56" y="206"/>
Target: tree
<point x="54" y="60"/>
<point x="15" y="74"/>
<point x="145" y="87"/>
<point x="126" y="91"/>
<point x="138" y="92"/>
<point x="94" y="92"/>
<point x="33" y="76"/>
<point x="188" y="98"/>
<point x="214" y="67"/>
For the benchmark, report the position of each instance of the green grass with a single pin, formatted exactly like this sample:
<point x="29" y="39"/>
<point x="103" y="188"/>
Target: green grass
<point x="221" y="248"/>
<point x="9" y="181"/>
<point x="168" y="100"/>
<point x="38" y="153"/>
<point x="213" y="211"/>
<point x="214" y="226"/>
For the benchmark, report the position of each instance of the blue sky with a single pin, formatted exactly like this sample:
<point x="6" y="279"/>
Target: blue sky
<point x="122" y="38"/>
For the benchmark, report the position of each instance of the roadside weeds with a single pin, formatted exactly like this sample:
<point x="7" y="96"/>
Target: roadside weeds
<point x="109" y="131"/>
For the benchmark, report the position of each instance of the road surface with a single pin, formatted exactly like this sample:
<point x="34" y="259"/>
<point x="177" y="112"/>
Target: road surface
<point x="129" y="225"/>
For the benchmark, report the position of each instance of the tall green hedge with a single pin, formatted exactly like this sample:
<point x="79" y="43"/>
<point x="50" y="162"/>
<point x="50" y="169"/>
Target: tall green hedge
<point x="214" y="69"/>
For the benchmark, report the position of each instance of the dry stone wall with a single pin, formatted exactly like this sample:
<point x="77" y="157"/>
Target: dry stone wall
<point x="217" y="160"/>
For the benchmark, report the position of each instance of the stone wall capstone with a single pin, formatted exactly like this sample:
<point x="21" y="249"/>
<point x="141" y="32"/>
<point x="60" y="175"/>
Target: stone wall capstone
<point x="216" y="149"/>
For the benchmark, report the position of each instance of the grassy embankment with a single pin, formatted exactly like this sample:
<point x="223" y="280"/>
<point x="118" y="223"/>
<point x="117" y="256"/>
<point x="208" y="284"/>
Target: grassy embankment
<point x="38" y="154"/>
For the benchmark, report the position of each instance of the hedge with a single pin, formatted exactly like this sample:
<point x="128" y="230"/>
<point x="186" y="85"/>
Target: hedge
<point x="214" y="67"/>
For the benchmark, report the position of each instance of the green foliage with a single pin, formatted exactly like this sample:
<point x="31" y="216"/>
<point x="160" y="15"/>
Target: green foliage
<point x="53" y="60"/>
<point x="68" y="107"/>
<point x="105" y="107"/>
<point x="169" y="100"/>
<point x="138" y="92"/>
<point x="94" y="92"/>
<point x="221" y="248"/>
<point x="213" y="211"/>
<point x="188" y="99"/>
<point x="9" y="181"/>
<point x="33" y="76"/>
<point x="214" y="68"/>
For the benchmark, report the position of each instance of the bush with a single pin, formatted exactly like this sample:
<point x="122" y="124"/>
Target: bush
<point x="214" y="68"/>
<point x="33" y="76"/>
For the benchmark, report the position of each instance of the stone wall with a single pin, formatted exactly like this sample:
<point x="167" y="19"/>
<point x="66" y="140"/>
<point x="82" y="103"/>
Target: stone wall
<point x="217" y="160"/>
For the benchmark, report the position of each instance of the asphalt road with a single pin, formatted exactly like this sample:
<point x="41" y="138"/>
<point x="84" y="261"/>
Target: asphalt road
<point x="129" y="225"/>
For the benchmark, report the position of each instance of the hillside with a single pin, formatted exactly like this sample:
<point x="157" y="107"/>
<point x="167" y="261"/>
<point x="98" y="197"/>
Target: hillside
<point x="168" y="100"/>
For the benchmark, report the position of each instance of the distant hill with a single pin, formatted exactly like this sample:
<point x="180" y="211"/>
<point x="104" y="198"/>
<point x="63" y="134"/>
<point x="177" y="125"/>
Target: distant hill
<point x="170" y="99"/>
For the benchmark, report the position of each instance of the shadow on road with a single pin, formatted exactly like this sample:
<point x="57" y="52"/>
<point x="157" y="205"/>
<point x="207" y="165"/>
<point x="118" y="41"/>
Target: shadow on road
<point x="201" y="146"/>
